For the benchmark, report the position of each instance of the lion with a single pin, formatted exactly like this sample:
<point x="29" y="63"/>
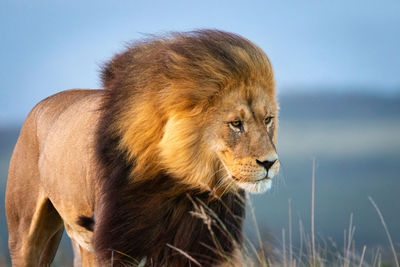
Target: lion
<point x="153" y="168"/>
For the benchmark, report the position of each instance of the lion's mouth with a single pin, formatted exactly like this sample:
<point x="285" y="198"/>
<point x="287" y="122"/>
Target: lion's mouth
<point x="253" y="181"/>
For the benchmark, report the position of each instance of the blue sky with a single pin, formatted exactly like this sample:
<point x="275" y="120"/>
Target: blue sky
<point x="49" y="46"/>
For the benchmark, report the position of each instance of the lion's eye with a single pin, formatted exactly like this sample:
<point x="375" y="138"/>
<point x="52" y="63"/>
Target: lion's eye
<point x="237" y="124"/>
<point x="267" y="120"/>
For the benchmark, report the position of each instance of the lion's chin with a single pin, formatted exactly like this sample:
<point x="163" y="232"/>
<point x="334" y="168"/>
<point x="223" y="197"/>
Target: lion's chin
<point x="257" y="187"/>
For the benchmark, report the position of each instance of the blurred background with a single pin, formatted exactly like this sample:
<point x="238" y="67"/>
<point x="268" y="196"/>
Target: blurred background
<point x="337" y="70"/>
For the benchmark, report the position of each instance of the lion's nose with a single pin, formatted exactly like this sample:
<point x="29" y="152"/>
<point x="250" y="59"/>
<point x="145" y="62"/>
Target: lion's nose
<point x="266" y="164"/>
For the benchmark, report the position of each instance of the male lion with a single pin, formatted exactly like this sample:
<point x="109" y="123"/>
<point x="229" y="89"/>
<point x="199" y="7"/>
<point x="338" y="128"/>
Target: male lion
<point x="153" y="168"/>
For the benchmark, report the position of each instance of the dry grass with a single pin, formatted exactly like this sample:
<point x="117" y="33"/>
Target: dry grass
<point x="315" y="251"/>
<point x="312" y="250"/>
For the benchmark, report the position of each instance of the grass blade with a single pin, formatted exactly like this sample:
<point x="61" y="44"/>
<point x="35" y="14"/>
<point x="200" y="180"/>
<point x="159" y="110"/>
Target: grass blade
<point x="386" y="230"/>
<point x="312" y="212"/>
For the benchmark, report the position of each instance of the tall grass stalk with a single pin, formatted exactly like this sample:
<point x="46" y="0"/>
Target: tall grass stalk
<point x="376" y="258"/>
<point x="362" y="256"/>
<point x="301" y="230"/>
<point x="260" y="242"/>
<point x="312" y="212"/>
<point x="112" y="258"/>
<point x="290" y="233"/>
<point x="184" y="254"/>
<point x="284" y="247"/>
<point x="347" y="253"/>
<point x="386" y="230"/>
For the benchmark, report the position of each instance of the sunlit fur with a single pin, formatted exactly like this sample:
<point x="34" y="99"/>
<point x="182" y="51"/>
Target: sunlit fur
<point x="167" y="109"/>
<point x="125" y="169"/>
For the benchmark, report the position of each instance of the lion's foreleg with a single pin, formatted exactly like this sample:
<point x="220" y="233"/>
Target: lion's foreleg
<point x="87" y="258"/>
<point x="36" y="245"/>
<point x="51" y="248"/>
<point x="82" y="257"/>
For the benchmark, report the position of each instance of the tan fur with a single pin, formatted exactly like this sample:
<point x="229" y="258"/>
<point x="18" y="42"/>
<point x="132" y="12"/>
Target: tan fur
<point x="183" y="129"/>
<point x="51" y="177"/>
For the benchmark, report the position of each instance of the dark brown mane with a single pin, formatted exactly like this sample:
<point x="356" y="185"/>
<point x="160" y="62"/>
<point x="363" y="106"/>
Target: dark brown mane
<point x="143" y="219"/>
<point x="142" y="210"/>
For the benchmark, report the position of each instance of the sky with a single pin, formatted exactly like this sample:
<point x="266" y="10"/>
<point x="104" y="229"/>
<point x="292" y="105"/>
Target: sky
<point x="316" y="45"/>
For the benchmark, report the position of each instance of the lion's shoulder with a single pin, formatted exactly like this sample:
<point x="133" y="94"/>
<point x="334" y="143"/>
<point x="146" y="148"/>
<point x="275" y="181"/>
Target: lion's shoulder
<point x="47" y="111"/>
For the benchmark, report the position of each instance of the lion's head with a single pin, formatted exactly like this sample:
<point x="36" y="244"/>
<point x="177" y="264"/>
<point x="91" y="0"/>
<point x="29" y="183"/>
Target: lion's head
<point x="199" y="106"/>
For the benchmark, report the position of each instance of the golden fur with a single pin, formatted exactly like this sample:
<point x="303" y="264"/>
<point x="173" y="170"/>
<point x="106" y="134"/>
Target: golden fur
<point x="182" y="92"/>
<point x="168" y="108"/>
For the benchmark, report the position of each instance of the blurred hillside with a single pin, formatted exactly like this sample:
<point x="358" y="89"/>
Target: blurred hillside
<point x="339" y="105"/>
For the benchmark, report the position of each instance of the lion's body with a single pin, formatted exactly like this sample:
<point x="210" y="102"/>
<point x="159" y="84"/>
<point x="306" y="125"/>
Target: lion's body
<point x="53" y="167"/>
<point x="152" y="166"/>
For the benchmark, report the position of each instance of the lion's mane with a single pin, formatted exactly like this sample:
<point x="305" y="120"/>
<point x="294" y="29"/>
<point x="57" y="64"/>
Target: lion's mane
<point x="148" y="198"/>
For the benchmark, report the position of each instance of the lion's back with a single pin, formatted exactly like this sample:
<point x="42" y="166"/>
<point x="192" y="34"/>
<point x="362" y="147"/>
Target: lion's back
<point x="39" y="122"/>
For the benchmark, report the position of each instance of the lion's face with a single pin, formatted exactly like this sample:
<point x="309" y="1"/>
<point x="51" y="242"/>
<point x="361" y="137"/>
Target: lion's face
<point x="243" y="137"/>
<point x="233" y="144"/>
